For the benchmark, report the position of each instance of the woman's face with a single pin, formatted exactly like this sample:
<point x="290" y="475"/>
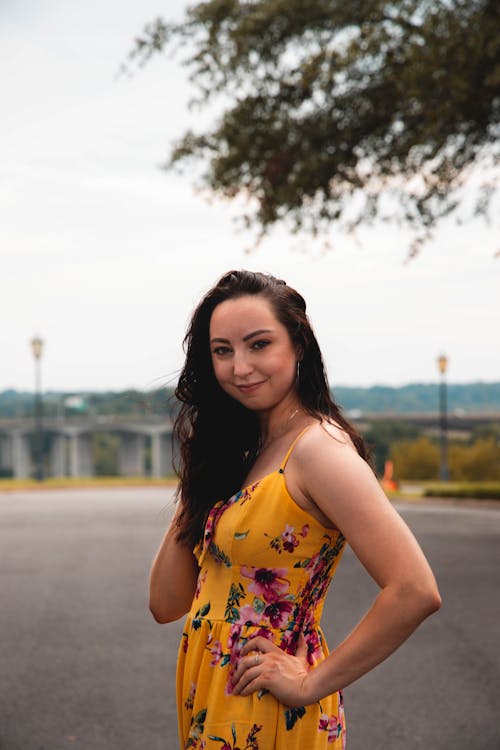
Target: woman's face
<point x="254" y="359"/>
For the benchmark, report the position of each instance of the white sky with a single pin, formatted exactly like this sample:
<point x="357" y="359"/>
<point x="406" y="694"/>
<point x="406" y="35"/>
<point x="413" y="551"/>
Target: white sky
<point x="104" y="255"/>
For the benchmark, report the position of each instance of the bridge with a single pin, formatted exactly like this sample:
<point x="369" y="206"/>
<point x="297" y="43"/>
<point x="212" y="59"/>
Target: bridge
<point x="68" y="440"/>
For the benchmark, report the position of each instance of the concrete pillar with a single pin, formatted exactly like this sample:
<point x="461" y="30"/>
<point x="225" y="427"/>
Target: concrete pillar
<point x="80" y="456"/>
<point x="131" y="455"/>
<point x="58" y="456"/>
<point x="161" y="455"/>
<point x="21" y="455"/>
<point x="5" y="451"/>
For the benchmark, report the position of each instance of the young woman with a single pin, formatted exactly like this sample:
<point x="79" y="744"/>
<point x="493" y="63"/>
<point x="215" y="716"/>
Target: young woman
<point x="273" y="482"/>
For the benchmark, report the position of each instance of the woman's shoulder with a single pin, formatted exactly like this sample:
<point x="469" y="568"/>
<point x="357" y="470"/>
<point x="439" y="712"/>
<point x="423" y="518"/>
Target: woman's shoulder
<point x="323" y="459"/>
<point x="324" y="434"/>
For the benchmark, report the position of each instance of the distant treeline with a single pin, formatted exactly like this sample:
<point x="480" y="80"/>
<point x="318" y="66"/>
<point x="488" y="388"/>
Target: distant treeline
<point x="415" y="397"/>
<point x="420" y="398"/>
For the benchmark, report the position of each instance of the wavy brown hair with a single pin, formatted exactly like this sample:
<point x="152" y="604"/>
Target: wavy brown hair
<point x="218" y="438"/>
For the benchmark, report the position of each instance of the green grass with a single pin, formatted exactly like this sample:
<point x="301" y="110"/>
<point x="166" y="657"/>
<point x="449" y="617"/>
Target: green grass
<point x="13" y="485"/>
<point x="474" y="490"/>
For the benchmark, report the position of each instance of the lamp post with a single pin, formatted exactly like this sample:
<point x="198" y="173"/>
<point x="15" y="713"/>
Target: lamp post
<point x="37" y="346"/>
<point x="444" y="473"/>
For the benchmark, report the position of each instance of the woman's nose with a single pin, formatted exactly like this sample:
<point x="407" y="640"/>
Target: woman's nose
<point x="241" y="365"/>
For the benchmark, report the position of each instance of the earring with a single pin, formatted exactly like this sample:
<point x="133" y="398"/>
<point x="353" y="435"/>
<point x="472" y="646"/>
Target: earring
<point x="298" y="369"/>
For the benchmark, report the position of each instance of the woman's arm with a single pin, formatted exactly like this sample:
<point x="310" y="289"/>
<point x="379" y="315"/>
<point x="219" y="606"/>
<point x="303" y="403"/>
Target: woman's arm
<point x="343" y="487"/>
<point x="173" y="577"/>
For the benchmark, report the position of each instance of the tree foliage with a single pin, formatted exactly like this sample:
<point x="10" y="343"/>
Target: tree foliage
<point x="346" y="112"/>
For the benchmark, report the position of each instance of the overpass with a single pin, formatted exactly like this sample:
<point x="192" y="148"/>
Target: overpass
<point x="70" y="445"/>
<point x="69" y="439"/>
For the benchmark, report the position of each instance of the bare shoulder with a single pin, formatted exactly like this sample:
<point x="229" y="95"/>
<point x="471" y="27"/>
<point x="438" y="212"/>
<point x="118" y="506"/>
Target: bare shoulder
<point x="323" y="439"/>
<point x="322" y="462"/>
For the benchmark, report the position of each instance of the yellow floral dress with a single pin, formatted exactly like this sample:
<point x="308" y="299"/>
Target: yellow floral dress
<point x="265" y="566"/>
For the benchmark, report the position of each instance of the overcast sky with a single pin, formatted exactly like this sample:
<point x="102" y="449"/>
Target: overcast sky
<point x="104" y="255"/>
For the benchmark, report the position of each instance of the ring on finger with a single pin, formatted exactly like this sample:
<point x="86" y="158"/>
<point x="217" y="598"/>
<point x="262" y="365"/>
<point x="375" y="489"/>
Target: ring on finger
<point x="256" y="659"/>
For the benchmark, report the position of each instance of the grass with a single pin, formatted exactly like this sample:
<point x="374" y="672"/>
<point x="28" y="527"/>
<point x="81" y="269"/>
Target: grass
<point x="408" y="491"/>
<point x="14" y="485"/>
<point x="469" y="490"/>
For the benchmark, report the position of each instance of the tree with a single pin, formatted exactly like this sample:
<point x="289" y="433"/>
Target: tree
<point x="415" y="459"/>
<point x="342" y="112"/>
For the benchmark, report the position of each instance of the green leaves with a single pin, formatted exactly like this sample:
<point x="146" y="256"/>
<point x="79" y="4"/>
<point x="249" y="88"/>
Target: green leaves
<point x="241" y="535"/>
<point x="330" y="107"/>
<point x="236" y="593"/>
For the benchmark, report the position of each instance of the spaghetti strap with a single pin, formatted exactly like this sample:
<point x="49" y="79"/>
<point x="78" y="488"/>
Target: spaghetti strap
<point x="289" y="451"/>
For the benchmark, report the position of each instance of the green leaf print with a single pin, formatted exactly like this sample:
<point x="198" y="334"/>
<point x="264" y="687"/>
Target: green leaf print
<point x="236" y="593"/>
<point x="292" y="715"/>
<point x="251" y="739"/>
<point x="204" y="610"/>
<point x="258" y="605"/>
<point x="197" y="726"/>
<point x="219" y="555"/>
<point x="200" y="717"/>
<point x="241" y="535"/>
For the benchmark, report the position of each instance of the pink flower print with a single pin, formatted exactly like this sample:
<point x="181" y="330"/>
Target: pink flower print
<point x="248" y="616"/>
<point x="234" y="636"/>
<point x="315" y="565"/>
<point x="216" y="653"/>
<point x="314" y="648"/>
<point x="269" y="583"/>
<point x="305" y="531"/>
<point x="323" y="722"/>
<point x="331" y="725"/>
<point x="201" y="580"/>
<point x="286" y="644"/>
<point x="290" y="541"/>
<point x="278" y="612"/>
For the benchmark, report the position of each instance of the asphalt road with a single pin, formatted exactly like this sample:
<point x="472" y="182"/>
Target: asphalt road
<point x="83" y="664"/>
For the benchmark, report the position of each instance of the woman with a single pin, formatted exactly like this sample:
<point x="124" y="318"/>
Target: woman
<point x="273" y="482"/>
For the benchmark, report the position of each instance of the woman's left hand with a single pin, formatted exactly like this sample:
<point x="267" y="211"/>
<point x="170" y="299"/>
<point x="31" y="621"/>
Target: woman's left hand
<point x="263" y="665"/>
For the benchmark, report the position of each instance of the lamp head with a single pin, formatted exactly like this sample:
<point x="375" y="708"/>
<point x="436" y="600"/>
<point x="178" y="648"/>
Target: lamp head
<point x="442" y="363"/>
<point x="37" y="346"/>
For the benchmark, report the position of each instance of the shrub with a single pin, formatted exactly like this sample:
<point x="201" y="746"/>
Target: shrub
<point x="415" y="459"/>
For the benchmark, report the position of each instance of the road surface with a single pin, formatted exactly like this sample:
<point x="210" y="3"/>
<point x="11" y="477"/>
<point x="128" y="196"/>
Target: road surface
<point x="84" y="666"/>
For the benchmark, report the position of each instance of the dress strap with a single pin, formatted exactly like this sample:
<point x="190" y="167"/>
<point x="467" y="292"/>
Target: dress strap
<point x="289" y="451"/>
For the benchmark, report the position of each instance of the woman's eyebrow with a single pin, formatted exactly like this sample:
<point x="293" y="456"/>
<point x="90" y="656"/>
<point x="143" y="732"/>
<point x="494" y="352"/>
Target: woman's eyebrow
<point x="245" y="338"/>
<point x="256" y="333"/>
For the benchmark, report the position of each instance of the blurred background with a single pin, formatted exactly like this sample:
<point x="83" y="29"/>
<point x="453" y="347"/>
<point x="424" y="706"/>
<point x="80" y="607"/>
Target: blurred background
<point x="104" y="254"/>
<point x="372" y="129"/>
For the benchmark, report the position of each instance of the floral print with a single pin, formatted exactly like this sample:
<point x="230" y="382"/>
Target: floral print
<point x="287" y="540"/>
<point x="265" y="567"/>
<point x="251" y="742"/>
<point x="269" y="583"/>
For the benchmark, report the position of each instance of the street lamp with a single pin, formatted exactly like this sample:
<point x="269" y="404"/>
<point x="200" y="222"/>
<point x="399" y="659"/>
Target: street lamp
<point x="444" y="473"/>
<point x="37" y="347"/>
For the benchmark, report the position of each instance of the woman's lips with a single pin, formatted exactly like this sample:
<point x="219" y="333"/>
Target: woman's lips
<point x="250" y="387"/>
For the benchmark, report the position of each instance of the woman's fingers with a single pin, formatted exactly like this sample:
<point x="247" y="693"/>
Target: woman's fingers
<point x="262" y="664"/>
<point x="259" y="643"/>
<point x="246" y="670"/>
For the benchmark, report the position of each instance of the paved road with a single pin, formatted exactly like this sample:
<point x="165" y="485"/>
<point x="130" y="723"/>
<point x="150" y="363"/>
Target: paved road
<point x="83" y="665"/>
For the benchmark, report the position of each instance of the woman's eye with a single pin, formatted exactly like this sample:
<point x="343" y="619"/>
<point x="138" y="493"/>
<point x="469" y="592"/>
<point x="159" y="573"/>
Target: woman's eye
<point x="261" y="344"/>
<point x="220" y="351"/>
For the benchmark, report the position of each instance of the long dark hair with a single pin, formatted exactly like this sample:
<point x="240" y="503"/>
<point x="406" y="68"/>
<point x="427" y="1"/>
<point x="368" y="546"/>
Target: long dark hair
<point x="218" y="438"/>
